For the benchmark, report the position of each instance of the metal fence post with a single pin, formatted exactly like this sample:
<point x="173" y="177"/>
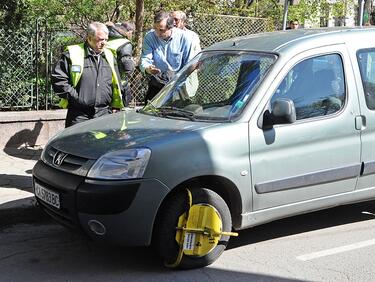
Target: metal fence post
<point x="46" y="54"/>
<point x="361" y="9"/>
<point x="37" y="63"/>
<point x="285" y="16"/>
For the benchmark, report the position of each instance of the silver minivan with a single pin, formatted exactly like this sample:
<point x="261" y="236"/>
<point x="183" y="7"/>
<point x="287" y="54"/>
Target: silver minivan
<point x="252" y="130"/>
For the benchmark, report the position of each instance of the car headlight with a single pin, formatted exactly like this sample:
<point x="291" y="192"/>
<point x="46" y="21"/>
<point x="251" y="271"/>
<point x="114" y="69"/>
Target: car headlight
<point x="123" y="164"/>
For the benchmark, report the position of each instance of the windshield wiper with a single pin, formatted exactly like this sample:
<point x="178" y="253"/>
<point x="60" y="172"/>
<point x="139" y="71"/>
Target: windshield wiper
<point x="173" y="111"/>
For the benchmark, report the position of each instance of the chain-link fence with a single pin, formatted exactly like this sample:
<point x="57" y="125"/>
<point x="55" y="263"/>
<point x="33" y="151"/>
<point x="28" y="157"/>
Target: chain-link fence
<point x="226" y="75"/>
<point x="17" y="69"/>
<point x="26" y="59"/>
<point x="215" y="28"/>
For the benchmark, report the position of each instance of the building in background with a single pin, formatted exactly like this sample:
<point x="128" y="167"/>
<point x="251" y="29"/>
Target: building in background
<point x="327" y="17"/>
<point x="350" y="8"/>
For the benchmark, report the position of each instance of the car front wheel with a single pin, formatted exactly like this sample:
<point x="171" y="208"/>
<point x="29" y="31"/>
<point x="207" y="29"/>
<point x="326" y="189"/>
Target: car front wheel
<point x="169" y="223"/>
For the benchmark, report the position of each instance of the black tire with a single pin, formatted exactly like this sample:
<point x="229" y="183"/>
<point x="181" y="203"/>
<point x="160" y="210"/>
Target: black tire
<point x="164" y="240"/>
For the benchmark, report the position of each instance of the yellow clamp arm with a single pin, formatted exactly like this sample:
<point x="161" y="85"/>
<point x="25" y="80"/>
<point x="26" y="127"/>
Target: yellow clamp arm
<point x="208" y="231"/>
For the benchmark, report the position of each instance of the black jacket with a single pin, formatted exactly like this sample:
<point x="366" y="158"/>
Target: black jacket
<point x="125" y="60"/>
<point x="94" y="89"/>
<point x="125" y="64"/>
<point x="124" y="53"/>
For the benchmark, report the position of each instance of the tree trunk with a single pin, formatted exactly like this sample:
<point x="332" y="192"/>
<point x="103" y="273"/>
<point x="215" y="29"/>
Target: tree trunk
<point x="367" y="12"/>
<point x="139" y="14"/>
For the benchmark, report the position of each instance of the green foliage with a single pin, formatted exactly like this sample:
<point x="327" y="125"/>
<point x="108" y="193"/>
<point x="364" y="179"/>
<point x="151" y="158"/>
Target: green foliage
<point x="306" y="10"/>
<point x="313" y="9"/>
<point x="16" y="65"/>
<point x="53" y="16"/>
<point x="76" y="14"/>
<point x="12" y="12"/>
<point x="339" y="8"/>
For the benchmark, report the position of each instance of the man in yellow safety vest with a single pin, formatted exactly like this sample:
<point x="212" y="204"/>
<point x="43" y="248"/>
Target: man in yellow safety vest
<point x="86" y="78"/>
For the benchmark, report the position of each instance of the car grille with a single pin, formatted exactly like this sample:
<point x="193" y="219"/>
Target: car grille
<point x="67" y="162"/>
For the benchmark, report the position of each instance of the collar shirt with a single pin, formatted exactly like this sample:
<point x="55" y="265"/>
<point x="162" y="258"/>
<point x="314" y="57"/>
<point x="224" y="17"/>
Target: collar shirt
<point x="167" y="55"/>
<point x="194" y="40"/>
<point x="95" y="55"/>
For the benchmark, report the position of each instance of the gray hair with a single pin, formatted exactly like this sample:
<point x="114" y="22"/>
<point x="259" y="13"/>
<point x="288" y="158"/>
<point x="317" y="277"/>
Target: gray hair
<point x="94" y="27"/>
<point x="180" y="15"/>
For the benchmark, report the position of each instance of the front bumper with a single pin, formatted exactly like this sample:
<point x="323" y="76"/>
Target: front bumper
<point x="126" y="208"/>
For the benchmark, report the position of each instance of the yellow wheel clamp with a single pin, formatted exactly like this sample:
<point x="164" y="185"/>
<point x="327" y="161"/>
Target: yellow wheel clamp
<point x="198" y="231"/>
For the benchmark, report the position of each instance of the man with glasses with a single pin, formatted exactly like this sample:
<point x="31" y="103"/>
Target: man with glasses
<point x="165" y="51"/>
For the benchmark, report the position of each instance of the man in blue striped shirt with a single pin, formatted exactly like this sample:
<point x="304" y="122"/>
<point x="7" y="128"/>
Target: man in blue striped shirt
<point x="165" y="51"/>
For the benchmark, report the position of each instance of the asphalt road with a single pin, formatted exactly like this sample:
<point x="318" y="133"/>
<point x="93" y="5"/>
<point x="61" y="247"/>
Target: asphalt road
<point x="333" y="245"/>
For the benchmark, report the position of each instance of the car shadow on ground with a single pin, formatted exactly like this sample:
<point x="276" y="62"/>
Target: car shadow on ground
<point x="305" y="223"/>
<point x="48" y="245"/>
<point x="48" y="251"/>
<point x="26" y="212"/>
<point x="20" y="182"/>
<point x="52" y="252"/>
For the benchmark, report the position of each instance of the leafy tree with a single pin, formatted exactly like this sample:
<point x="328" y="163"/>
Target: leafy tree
<point x="12" y="12"/>
<point x="139" y="12"/>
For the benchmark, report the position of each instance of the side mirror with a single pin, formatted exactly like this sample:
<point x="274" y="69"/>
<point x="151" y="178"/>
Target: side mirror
<point x="283" y="111"/>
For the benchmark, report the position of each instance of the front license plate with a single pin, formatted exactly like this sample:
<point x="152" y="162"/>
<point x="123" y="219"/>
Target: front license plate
<point x="47" y="195"/>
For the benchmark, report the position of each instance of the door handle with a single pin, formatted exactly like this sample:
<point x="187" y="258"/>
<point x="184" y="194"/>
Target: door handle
<point x="360" y="122"/>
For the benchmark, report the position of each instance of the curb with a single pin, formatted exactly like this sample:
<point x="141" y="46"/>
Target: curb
<point x="23" y="215"/>
<point x="16" y="192"/>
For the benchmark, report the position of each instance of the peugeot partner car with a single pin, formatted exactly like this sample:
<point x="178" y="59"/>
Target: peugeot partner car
<point x="252" y="130"/>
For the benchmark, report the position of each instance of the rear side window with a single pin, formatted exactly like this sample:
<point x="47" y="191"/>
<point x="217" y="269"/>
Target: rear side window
<point x="366" y="62"/>
<point x="315" y="85"/>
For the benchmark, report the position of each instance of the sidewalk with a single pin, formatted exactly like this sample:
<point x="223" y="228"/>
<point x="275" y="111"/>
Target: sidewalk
<point x="16" y="177"/>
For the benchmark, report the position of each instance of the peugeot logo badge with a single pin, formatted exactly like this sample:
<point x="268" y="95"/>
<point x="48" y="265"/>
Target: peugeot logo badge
<point x="58" y="158"/>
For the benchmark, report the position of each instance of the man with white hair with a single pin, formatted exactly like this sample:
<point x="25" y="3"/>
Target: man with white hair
<point x="179" y="18"/>
<point x="86" y="78"/>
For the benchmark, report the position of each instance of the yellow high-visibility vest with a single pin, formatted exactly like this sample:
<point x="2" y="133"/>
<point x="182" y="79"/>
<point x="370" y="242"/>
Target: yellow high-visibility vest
<point x="114" y="44"/>
<point x="77" y="56"/>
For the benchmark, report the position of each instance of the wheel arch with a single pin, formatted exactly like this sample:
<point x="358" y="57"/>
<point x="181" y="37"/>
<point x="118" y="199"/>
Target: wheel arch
<point x="220" y="185"/>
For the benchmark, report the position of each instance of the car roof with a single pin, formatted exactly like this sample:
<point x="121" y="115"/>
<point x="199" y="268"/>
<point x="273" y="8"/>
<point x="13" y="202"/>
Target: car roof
<point x="282" y="41"/>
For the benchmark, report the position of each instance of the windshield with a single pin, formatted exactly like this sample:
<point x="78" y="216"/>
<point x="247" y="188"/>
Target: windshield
<point x="214" y="86"/>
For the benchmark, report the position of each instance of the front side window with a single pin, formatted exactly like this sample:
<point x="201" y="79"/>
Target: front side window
<point x="315" y="85"/>
<point x="366" y="62"/>
<point x="214" y="86"/>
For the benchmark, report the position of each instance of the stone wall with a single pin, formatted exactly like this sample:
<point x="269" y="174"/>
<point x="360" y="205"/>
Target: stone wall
<point x="29" y="128"/>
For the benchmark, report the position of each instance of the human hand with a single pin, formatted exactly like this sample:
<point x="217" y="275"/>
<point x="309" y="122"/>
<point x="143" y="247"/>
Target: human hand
<point x="152" y="70"/>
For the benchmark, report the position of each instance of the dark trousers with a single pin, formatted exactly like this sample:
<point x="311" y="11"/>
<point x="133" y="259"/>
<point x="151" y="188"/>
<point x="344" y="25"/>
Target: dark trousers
<point x="153" y="88"/>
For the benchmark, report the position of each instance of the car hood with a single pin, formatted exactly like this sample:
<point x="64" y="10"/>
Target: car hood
<point x="122" y="130"/>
